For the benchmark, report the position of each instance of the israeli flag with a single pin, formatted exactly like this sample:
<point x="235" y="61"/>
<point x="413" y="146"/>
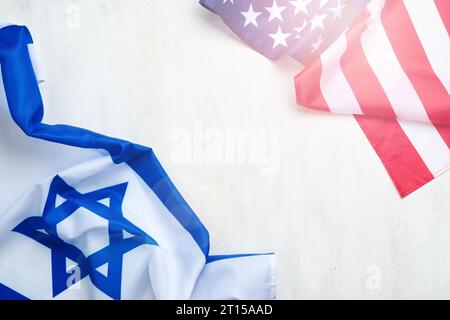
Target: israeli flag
<point x="111" y="226"/>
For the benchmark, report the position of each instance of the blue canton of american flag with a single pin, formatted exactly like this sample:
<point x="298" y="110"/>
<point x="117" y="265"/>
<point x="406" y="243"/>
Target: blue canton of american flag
<point x="301" y="29"/>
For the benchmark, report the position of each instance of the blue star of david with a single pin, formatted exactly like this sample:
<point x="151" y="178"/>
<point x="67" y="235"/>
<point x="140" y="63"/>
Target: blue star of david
<point x="43" y="230"/>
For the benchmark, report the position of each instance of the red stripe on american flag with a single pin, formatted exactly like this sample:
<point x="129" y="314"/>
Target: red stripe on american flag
<point x="443" y="7"/>
<point x="307" y="87"/>
<point x="404" y="165"/>
<point x="362" y="79"/>
<point x="414" y="61"/>
<point x="444" y="131"/>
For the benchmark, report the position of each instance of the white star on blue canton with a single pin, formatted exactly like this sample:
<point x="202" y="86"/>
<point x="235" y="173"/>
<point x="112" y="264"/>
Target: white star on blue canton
<point x="101" y="259"/>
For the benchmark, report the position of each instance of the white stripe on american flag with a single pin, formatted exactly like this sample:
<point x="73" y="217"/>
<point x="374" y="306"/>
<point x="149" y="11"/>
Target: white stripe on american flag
<point x="384" y="63"/>
<point x="335" y="88"/>
<point x="433" y="35"/>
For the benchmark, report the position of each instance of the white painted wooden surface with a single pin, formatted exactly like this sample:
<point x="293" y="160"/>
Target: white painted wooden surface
<point x="158" y="72"/>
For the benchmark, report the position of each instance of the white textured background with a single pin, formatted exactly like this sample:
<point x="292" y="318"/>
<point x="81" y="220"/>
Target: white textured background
<point x="150" y="70"/>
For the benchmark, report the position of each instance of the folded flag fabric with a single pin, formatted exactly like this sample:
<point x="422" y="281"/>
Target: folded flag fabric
<point x="388" y="65"/>
<point x="112" y="227"/>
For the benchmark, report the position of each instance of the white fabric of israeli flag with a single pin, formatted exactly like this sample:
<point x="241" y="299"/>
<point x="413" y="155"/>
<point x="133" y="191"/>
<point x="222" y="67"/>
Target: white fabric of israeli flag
<point x="113" y="226"/>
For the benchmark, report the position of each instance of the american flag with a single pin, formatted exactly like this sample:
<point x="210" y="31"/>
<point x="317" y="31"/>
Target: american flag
<point x="385" y="61"/>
